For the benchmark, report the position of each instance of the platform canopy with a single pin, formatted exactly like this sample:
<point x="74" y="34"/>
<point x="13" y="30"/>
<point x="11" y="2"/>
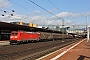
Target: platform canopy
<point x="8" y="26"/>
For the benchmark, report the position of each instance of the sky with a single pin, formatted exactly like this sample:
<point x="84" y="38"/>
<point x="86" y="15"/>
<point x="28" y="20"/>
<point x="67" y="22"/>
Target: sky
<point x="48" y="12"/>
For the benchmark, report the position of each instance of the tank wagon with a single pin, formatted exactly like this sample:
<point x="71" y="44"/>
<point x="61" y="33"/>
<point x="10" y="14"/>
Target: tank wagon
<point x="23" y="36"/>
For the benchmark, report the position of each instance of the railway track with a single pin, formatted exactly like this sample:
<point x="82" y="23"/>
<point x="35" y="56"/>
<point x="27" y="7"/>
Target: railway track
<point x="31" y="51"/>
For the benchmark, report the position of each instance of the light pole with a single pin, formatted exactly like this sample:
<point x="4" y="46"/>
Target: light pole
<point x="62" y="30"/>
<point x="0" y="34"/>
<point x="87" y="29"/>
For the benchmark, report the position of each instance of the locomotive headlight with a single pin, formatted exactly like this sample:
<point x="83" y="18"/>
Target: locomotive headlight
<point x="11" y="37"/>
<point x="15" y="36"/>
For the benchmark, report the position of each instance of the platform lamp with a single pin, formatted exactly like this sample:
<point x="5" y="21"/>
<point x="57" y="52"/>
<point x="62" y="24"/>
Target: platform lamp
<point x="6" y="12"/>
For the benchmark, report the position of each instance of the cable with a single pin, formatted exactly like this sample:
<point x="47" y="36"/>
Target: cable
<point x="41" y="7"/>
<point x="36" y="5"/>
<point x="19" y="5"/>
<point x="54" y="5"/>
<point x="44" y="9"/>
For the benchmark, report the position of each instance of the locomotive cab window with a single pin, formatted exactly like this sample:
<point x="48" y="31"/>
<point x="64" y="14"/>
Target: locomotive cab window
<point x="14" y="33"/>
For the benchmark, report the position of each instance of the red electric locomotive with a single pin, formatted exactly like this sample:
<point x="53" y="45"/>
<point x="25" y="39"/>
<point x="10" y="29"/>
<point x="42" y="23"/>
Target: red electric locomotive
<point x="22" y="36"/>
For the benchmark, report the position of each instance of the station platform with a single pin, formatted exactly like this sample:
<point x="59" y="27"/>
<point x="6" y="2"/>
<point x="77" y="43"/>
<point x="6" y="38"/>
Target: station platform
<point x="4" y="42"/>
<point x="76" y="51"/>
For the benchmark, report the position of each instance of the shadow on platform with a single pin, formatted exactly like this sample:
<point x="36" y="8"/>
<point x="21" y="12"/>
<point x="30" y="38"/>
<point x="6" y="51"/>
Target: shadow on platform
<point x="82" y="57"/>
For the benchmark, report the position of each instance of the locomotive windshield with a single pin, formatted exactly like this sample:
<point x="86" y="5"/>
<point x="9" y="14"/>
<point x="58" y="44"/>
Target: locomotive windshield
<point x="14" y="33"/>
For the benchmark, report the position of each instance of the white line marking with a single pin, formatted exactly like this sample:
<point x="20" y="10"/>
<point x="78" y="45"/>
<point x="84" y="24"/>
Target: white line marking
<point x="52" y="53"/>
<point x="56" y="57"/>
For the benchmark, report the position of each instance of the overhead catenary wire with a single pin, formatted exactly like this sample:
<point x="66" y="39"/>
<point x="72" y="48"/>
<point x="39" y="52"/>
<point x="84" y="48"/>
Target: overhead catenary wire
<point x="54" y="5"/>
<point x="44" y="9"/>
<point x="41" y="7"/>
<point x="20" y="5"/>
<point x="36" y="5"/>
